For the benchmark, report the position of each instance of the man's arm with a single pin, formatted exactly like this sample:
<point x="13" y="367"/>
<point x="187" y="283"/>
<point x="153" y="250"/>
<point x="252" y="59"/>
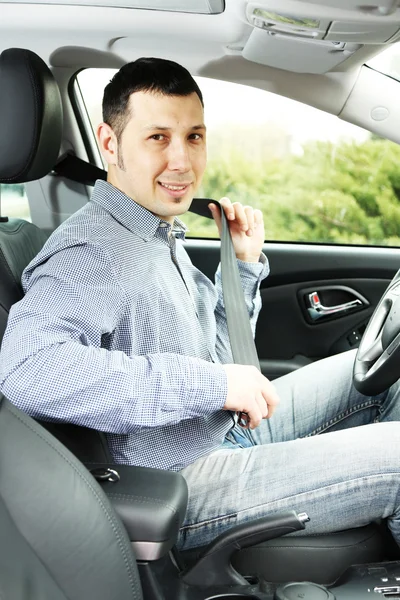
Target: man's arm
<point x="53" y="367"/>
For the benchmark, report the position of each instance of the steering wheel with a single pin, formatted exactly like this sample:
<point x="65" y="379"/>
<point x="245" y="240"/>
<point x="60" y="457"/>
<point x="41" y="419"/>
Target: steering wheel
<point x="377" y="363"/>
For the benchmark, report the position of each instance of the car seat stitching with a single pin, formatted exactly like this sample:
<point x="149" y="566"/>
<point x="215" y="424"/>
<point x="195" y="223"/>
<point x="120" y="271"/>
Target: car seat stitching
<point x="143" y="500"/>
<point x="45" y="567"/>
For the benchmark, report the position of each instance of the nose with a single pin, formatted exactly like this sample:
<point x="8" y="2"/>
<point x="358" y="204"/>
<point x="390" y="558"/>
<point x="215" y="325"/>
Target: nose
<point x="178" y="156"/>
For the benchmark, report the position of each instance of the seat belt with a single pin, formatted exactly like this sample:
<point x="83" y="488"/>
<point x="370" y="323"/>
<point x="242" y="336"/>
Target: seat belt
<point x="240" y="334"/>
<point x="243" y="347"/>
<point x="241" y="339"/>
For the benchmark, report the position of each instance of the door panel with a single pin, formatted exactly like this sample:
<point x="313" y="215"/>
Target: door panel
<point x="285" y="337"/>
<point x="283" y="331"/>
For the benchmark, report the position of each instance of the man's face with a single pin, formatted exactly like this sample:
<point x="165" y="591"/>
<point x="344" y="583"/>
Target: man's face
<point x="161" y="155"/>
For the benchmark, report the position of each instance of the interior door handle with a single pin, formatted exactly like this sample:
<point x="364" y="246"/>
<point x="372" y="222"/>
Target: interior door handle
<point x="317" y="310"/>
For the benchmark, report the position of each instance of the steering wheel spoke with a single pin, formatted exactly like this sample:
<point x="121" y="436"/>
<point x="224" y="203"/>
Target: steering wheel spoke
<point x="377" y="363"/>
<point x="373" y="351"/>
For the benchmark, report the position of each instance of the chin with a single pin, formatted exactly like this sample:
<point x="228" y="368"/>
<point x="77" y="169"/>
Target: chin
<point x="182" y="205"/>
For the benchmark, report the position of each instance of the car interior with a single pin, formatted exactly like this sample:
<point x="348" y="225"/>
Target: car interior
<point x="73" y="524"/>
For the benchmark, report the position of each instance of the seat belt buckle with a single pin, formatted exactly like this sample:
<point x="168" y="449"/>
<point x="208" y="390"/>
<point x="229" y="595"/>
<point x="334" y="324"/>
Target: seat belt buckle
<point x="243" y="419"/>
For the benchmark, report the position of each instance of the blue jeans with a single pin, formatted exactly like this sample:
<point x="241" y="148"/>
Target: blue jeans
<point x="345" y="478"/>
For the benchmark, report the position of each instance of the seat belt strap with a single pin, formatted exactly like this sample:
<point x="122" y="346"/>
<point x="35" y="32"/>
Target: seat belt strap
<point x="237" y="316"/>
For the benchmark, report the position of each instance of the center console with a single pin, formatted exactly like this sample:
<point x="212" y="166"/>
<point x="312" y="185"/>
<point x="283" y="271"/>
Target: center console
<point x="152" y="504"/>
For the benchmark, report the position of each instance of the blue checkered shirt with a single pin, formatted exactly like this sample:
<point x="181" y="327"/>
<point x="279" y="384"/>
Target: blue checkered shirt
<point x="119" y="332"/>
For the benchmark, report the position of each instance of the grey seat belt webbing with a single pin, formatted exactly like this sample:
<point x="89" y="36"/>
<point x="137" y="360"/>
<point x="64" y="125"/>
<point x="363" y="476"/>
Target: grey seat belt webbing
<point x="240" y="334"/>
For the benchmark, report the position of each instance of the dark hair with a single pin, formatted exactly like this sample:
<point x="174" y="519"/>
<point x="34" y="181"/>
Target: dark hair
<point x="144" y="75"/>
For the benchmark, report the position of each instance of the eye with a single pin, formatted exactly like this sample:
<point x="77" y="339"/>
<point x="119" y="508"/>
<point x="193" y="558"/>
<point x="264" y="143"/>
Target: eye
<point x="158" y="137"/>
<point x="196" y="136"/>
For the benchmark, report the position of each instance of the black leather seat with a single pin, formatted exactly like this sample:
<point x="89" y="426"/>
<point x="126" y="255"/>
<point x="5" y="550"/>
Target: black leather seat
<point x="20" y="241"/>
<point x="60" y="539"/>
<point x="29" y="147"/>
<point x="31" y="120"/>
<point x="30" y="142"/>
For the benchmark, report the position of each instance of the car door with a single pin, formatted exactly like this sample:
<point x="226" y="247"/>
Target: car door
<point x="349" y="281"/>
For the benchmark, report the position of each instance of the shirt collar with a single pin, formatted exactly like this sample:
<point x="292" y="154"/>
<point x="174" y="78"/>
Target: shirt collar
<point x="132" y="215"/>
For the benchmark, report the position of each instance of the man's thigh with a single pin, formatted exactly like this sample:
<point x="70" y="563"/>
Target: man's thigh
<point x="341" y="479"/>
<point x="318" y="398"/>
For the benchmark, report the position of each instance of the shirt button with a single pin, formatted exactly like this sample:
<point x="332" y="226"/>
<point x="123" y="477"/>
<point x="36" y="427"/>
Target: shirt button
<point x="163" y="224"/>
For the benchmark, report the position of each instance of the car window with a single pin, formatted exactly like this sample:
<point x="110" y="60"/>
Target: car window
<point x="14" y="201"/>
<point x="316" y="178"/>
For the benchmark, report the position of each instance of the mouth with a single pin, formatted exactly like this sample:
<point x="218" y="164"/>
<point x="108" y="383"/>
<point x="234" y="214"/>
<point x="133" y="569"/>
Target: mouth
<point x="175" y="190"/>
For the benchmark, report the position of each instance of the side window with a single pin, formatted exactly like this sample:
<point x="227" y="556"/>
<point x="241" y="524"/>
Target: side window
<point x="14" y="201"/>
<point x="316" y="178"/>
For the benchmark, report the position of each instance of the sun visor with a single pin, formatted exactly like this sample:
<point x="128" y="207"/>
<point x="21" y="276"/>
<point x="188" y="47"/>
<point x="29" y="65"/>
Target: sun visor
<point x="313" y="23"/>
<point x="296" y="54"/>
<point x="307" y="38"/>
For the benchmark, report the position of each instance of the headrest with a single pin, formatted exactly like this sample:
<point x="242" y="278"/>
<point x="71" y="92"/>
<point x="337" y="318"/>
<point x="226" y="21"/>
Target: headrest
<point x="30" y="117"/>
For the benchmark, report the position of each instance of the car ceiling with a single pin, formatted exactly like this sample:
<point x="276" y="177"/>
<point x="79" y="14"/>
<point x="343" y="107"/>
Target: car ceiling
<point x="225" y="46"/>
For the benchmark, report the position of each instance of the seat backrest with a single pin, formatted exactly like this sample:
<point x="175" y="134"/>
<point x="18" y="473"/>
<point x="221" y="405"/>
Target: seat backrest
<point x="20" y="241"/>
<point x="30" y="134"/>
<point x="60" y="538"/>
<point x="30" y="137"/>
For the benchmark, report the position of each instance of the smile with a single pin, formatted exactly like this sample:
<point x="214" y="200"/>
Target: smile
<point x="174" y="188"/>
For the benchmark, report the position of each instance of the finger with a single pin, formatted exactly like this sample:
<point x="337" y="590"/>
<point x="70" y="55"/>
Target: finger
<point x="216" y="213"/>
<point x="271" y="411"/>
<point x="258" y="217"/>
<point x="263" y="406"/>
<point x="228" y="208"/>
<point x="240" y="216"/>
<point x="255" y="416"/>
<point x="271" y="398"/>
<point x="249" y="211"/>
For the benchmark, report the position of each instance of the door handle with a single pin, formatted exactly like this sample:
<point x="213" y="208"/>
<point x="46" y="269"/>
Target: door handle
<point x="316" y="310"/>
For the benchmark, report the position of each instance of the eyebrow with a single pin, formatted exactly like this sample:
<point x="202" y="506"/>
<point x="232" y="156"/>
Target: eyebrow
<point x="162" y="128"/>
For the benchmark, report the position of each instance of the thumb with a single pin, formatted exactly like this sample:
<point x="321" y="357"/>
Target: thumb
<point x="216" y="213"/>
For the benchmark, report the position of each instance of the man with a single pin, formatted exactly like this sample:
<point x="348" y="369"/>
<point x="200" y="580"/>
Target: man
<point x="119" y="332"/>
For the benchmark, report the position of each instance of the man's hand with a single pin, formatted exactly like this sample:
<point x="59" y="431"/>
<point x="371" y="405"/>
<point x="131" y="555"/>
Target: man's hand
<point x="250" y="392"/>
<point x="246" y="226"/>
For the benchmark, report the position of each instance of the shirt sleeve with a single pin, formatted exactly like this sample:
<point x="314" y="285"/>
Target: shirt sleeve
<point x="53" y="366"/>
<point x="251" y="275"/>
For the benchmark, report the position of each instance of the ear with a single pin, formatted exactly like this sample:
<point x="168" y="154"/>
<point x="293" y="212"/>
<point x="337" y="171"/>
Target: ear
<point x="108" y="144"/>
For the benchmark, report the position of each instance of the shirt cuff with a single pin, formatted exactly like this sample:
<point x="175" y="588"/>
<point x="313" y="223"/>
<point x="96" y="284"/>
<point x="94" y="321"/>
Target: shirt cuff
<point x="208" y="387"/>
<point x="193" y="386"/>
<point x="252" y="274"/>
